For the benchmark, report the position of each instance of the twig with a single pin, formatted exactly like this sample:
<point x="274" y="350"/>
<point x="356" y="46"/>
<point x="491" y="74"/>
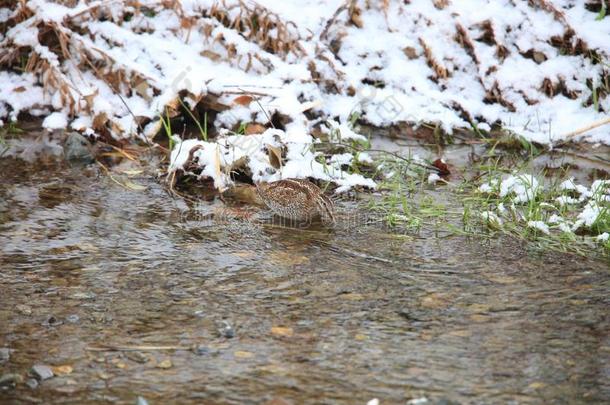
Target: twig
<point x="587" y="128"/>
<point x="332" y="19"/>
<point x="261" y="107"/>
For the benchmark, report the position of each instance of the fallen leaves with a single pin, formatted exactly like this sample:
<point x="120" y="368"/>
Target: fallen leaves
<point x="62" y="370"/>
<point x="241" y="354"/>
<point x="165" y="364"/>
<point x="275" y="156"/>
<point x="254" y="129"/>
<point x="443" y="168"/>
<point x="282" y="331"/>
<point x="243" y="100"/>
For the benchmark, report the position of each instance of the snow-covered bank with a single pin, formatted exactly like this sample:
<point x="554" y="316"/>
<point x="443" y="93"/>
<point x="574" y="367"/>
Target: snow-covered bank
<point x="110" y="69"/>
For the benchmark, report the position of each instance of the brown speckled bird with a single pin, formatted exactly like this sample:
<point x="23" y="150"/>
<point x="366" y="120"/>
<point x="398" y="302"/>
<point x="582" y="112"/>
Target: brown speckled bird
<point x="297" y="199"/>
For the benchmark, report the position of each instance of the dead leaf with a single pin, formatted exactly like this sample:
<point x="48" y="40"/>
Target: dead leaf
<point x="443" y="168"/>
<point x="134" y="186"/>
<point x="275" y="156"/>
<point x="62" y="370"/>
<point x="254" y="129"/>
<point x="352" y="297"/>
<point x="132" y="172"/>
<point x="210" y="55"/>
<point x="282" y="331"/>
<point x="479" y="308"/>
<point x="104" y="376"/>
<point x="243" y="100"/>
<point x="165" y="364"/>
<point x="19" y="89"/>
<point x="435" y="301"/>
<point x="410" y="52"/>
<point x="99" y="121"/>
<point x="243" y="354"/>
<point x="356" y="16"/>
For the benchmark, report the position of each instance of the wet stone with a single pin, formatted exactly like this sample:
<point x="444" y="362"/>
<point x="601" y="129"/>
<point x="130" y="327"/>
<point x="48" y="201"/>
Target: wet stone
<point x="138" y="357"/>
<point x="141" y="401"/>
<point x="52" y="321"/>
<point x="32" y="383"/>
<point x="72" y="318"/>
<point x="9" y="380"/>
<point x="42" y="372"/>
<point x="201" y="350"/>
<point x="77" y="149"/>
<point x="226" y="330"/>
<point x="5" y="354"/>
<point x="23" y="309"/>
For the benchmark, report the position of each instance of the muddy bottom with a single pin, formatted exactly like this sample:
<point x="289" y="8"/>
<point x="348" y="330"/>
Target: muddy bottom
<point x="130" y="293"/>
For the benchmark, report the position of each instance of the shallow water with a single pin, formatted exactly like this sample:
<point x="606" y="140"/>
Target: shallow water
<point x="318" y="315"/>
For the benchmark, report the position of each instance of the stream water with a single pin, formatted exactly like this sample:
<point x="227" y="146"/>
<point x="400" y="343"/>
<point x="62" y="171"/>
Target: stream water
<point x="135" y="296"/>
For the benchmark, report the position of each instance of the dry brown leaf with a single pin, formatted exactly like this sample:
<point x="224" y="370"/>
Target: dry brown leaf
<point x="99" y="121"/>
<point x="243" y="100"/>
<point x="275" y="156"/>
<point x="355" y="15"/>
<point x="165" y="364"/>
<point x="443" y="168"/>
<point x="282" y="331"/>
<point x="254" y="129"/>
<point x="19" y="89"/>
<point x="240" y="354"/>
<point x="62" y="370"/>
<point x="210" y="55"/>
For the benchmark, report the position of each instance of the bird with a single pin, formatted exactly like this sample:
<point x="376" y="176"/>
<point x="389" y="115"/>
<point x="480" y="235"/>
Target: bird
<point x="297" y="199"/>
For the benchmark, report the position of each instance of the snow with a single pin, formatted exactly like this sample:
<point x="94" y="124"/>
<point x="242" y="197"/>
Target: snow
<point x="216" y="159"/>
<point x="56" y="120"/>
<point x="491" y="217"/>
<point x="381" y="70"/>
<point x="518" y="190"/>
<point x="521" y="188"/>
<point x="589" y="215"/>
<point x="433" y="178"/>
<point x="539" y="226"/>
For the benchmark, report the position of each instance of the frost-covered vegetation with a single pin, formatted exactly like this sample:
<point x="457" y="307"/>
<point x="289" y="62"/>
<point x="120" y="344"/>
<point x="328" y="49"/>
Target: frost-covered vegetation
<point x="564" y="210"/>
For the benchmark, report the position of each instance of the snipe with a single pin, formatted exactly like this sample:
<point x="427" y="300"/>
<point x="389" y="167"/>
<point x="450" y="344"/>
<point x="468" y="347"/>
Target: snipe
<point x="297" y="199"/>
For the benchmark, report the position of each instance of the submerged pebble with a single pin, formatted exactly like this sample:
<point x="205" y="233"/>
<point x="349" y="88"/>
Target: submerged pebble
<point x="9" y="380"/>
<point x="24" y="309"/>
<point x="73" y="318"/>
<point x="78" y="149"/>
<point x="42" y="372"/>
<point x="201" y="350"/>
<point x="5" y="354"/>
<point x="32" y="383"/>
<point x="226" y="330"/>
<point x="52" y="321"/>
